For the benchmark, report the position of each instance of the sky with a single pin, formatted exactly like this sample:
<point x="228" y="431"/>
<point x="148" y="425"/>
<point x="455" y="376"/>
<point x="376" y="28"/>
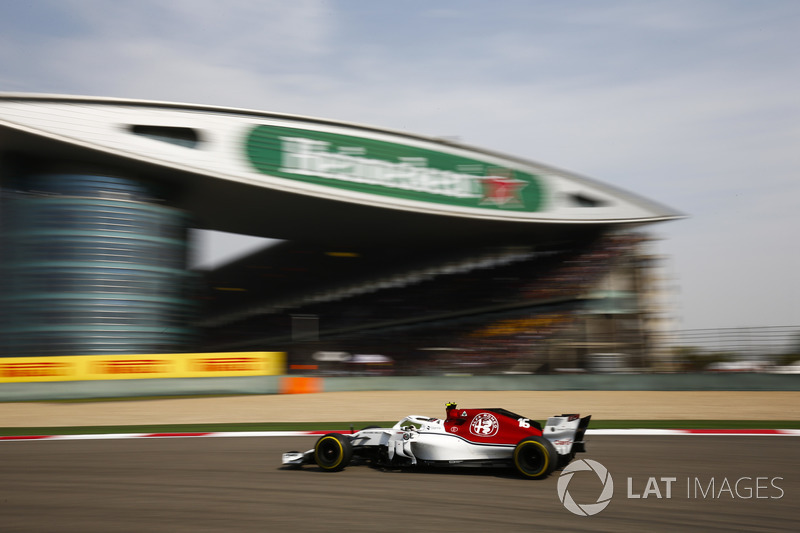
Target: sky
<point x="694" y="104"/>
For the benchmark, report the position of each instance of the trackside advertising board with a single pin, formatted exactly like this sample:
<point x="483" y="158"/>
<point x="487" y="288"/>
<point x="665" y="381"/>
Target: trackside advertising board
<point x="108" y="367"/>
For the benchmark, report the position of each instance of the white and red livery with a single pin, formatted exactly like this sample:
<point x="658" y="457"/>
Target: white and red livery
<point x="466" y="437"/>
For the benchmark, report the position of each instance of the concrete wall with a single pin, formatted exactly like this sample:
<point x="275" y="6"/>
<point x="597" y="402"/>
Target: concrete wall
<point x="666" y="382"/>
<point x="70" y="390"/>
<point x="10" y="392"/>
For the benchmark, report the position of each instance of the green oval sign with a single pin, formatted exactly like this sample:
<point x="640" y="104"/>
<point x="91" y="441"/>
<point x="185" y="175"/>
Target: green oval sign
<point x="389" y="169"/>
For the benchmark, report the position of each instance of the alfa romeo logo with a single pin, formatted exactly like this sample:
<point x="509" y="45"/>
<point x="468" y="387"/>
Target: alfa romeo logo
<point x="586" y="509"/>
<point x="484" y="425"/>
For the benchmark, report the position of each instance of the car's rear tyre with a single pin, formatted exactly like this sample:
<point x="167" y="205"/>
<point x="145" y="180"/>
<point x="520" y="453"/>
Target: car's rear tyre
<point x="333" y="452"/>
<point x="535" y="458"/>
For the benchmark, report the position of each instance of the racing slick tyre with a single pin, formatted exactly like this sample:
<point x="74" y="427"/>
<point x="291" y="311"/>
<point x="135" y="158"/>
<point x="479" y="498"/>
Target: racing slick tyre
<point x="333" y="452"/>
<point x="535" y="458"/>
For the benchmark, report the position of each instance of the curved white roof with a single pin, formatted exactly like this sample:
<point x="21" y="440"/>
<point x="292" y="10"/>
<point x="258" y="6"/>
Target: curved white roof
<point x="290" y="176"/>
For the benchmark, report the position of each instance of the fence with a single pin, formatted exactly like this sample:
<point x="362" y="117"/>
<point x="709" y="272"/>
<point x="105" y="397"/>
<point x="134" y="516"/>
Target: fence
<point x="751" y="343"/>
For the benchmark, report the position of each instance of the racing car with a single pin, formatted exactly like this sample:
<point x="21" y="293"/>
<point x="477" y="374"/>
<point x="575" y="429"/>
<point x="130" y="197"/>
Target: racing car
<point x="466" y="437"/>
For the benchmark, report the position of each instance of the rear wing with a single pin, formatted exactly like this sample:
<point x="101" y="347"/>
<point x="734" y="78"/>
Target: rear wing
<point x="566" y="433"/>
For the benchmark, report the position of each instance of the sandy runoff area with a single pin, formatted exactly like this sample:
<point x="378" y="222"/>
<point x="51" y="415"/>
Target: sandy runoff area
<point x="394" y="405"/>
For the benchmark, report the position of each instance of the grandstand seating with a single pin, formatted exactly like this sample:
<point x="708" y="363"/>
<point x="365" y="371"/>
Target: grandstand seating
<point x="486" y="311"/>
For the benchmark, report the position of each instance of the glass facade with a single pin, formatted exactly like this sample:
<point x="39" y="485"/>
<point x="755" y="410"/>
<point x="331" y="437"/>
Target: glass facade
<point x="92" y="264"/>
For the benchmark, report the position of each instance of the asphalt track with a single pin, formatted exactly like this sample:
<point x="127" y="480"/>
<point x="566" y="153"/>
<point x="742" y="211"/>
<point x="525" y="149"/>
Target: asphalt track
<point x="237" y="484"/>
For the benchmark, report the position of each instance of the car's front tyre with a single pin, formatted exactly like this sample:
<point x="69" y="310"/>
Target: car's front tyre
<point x="333" y="452"/>
<point x="535" y="458"/>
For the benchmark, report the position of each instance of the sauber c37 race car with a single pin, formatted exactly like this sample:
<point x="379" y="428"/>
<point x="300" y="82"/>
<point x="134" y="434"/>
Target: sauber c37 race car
<point x="466" y="437"/>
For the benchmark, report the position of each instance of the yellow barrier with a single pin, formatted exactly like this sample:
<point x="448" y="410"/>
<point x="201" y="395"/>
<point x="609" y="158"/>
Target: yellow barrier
<point x="180" y="365"/>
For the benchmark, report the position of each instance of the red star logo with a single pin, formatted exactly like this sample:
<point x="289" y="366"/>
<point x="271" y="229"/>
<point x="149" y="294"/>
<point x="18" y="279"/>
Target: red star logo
<point x="502" y="191"/>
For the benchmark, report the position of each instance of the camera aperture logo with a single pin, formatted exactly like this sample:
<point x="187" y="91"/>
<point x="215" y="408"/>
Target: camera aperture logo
<point x="586" y="509"/>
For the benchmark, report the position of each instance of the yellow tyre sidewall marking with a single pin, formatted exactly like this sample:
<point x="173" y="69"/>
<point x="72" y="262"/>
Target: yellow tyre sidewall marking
<point x="544" y="452"/>
<point x="341" y="451"/>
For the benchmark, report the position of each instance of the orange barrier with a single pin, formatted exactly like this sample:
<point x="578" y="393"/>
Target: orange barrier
<point x="300" y="385"/>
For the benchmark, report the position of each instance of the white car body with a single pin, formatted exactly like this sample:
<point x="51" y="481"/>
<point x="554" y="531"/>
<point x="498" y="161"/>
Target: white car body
<point x="481" y="437"/>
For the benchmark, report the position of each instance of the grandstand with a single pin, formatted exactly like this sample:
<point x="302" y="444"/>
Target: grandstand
<point x="427" y="255"/>
<point x="485" y="310"/>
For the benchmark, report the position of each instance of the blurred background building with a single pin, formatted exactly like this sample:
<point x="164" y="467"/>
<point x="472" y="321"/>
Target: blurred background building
<point x="581" y="305"/>
<point x="92" y="264"/>
<point x="399" y="254"/>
